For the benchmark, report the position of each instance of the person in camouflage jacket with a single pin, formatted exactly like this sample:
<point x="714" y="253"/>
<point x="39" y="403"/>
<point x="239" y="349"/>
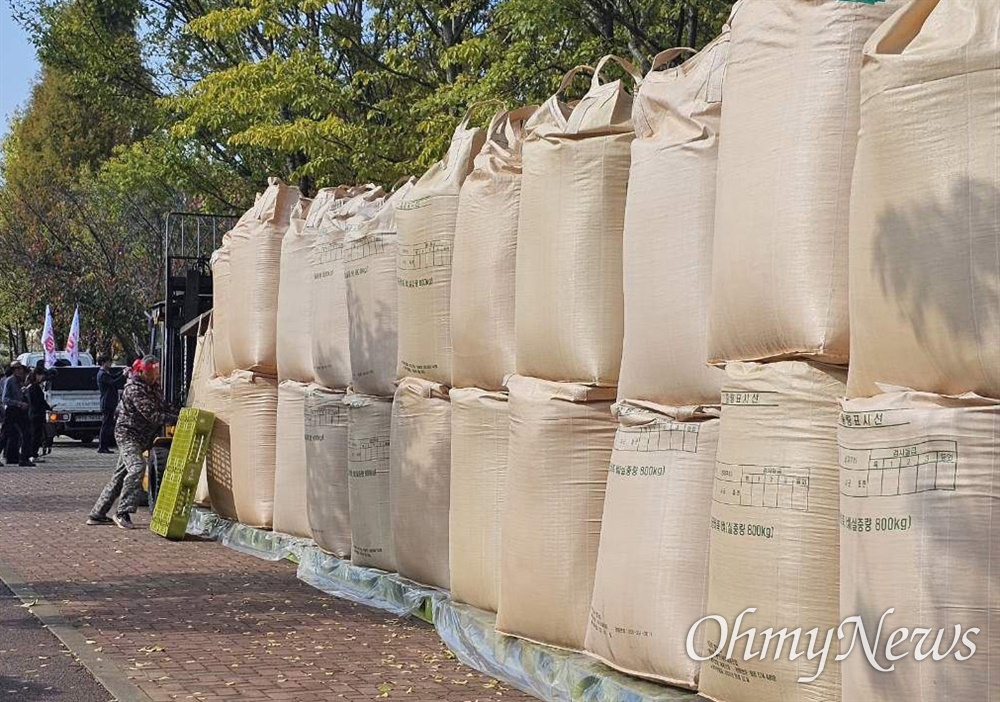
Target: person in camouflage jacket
<point x="141" y="413"/>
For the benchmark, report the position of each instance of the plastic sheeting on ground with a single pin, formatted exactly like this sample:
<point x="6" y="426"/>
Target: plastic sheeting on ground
<point x="368" y="586"/>
<point x="266" y="545"/>
<point x="548" y="673"/>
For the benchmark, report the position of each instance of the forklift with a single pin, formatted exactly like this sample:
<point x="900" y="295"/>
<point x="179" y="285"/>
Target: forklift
<point x="184" y="313"/>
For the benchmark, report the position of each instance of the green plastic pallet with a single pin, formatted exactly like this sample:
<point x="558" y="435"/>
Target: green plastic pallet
<point x="190" y="442"/>
<point x="188" y="449"/>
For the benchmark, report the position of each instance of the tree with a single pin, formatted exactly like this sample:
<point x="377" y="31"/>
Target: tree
<point x="69" y="236"/>
<point x="147" y="106"/>
<point x="346" y="91"/>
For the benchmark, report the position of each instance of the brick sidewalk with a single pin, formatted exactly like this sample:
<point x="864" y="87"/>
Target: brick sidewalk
<point x="193" y="620"/>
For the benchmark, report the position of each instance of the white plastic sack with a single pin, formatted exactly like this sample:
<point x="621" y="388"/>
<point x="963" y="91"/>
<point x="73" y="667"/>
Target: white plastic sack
<point x="369" y="421"/>
<point x="325" y="416"/>
<point x="561" y="436"/>
<point x="290" y="476"/>
<point x="253" y="430"/>
<point x="482" y="286"/>
<point x="479" y="432"/>
<point x="669" y="225"/>
<point x="331" y="348"/>
<point x="569" y="306"/>
<point x="790" y="127"/>
<point x="925" y="226"/>
<point x="294" y="346"/>
<point x="219" y="461"/>
<point x="920" y="534"/>
<point x="419" y="475"/>
<point x="426" y="221"/>
<point x="221" y="263"/>
<point x="202" y="372"/>
<point x="370" y="277"/>
<point x="651" y="581"/>
<point x="255" y="267"/>
<point x="774" y="535"/>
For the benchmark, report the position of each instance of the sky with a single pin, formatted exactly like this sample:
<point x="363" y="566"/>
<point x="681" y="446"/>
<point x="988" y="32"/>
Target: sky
<point x="18" y="66"/>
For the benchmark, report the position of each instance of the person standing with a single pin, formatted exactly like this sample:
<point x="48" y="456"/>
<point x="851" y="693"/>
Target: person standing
<point x="109" y="383"/>
<point x="44" y="374"/>
<point x="16" y="427"/>
<point x="141" y="413"/>
<point x="3" y="432"/>
<point x="38" y="408"/>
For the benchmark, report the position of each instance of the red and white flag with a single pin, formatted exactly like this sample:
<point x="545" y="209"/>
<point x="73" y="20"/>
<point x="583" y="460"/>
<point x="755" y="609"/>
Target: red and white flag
<point x="73" y="340"/>
<point x="49" y="339"/>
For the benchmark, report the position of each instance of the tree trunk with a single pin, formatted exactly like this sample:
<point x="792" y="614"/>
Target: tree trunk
<point x="692" y="27"/>
<point x="679" y="26"/>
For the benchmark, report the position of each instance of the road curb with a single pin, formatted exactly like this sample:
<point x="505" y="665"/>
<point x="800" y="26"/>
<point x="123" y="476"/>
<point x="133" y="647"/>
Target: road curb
<point x="104" y="671"/>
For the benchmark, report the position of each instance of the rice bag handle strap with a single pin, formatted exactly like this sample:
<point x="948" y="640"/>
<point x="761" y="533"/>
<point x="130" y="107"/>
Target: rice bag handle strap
<point x="497" y="123"/>
<point x="475" y="106"/>
<point x="509" y="118"/>
<point x="571" y="74"/>
<point x="626" y="66"/>
<point x="521" y="114"/>
<point x="668" y="55"/>
<point x="517" y="118"/>
<point x="507" y="127"/>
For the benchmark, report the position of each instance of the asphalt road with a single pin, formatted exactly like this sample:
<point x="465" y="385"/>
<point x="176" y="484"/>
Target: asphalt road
<point x="34" y="665"/>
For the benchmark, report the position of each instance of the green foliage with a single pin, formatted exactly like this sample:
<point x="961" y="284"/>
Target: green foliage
<point x="147" y="106"/>
<point x="93" y="44"/>
<point x="69" y="236"/>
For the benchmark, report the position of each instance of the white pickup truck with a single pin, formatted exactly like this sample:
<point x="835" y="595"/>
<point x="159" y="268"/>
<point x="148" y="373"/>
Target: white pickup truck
<point x="72" y="392"/>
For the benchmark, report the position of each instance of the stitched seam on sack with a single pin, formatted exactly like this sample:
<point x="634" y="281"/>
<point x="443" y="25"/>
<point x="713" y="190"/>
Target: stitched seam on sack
<point x="968" y="231"/>
<point x="841" y="210"/>
<point x="929" y="81"/>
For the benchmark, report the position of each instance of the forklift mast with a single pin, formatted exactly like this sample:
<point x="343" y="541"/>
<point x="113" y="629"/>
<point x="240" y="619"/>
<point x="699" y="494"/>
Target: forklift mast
<point x="189" y="239"/>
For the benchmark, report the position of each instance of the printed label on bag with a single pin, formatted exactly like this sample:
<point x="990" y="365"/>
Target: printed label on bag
<point x="418" y="369"/>
<point x="324" y="252"/>
<point x="731" y="668"/>
<point x="628" y="471"/>
<point x="923" y="466"/>
<point x="865" y="420"/>
<point x="329" y="414"/>
<point x="429" y="254"/>
<point x="418" y="283"/>
<point x="736" y="528"/>
<point x="880" y="523"/>
<point x="366" y="551"/>
<point x="661" y="436"/>
<point x="369" y="448"/>
<point x="774" y="487"/>
<point x="371" y="245"/>
<point x="757" y="398"/>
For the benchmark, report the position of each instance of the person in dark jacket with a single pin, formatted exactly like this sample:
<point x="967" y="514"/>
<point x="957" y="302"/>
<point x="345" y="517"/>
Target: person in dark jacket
<point x="141" y="413"/>
<point x="109" y="383"/>
<point x="38" y="408"/>
<point x="3" y="432"/>
<point x="45" y="374"/>
<point x="16" y="429"/>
